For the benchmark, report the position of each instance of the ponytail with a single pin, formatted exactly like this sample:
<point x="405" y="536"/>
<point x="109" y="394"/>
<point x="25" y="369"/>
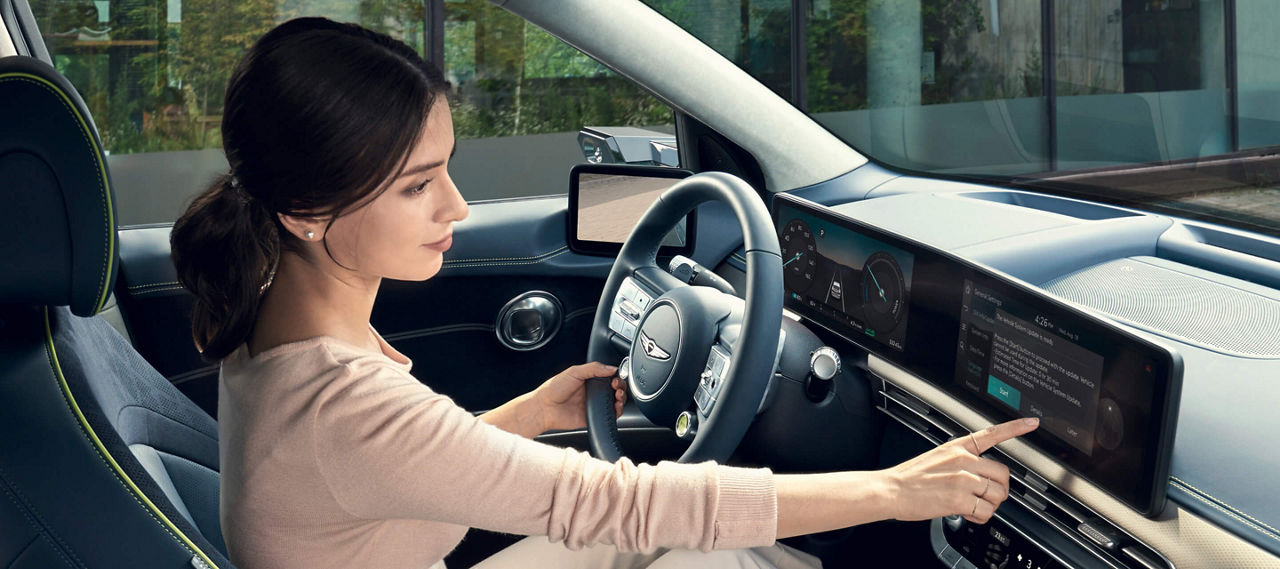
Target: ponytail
<point x="225" y="248"/>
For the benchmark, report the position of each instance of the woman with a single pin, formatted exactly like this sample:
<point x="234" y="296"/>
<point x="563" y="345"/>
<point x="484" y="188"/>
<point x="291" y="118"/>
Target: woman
<point x="333" y="455"/>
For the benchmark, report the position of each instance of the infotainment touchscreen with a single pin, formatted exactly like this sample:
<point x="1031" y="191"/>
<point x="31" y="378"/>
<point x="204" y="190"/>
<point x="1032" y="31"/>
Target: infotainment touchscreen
<point x="1106" y="398"/>
<point x="1016" y="356"/>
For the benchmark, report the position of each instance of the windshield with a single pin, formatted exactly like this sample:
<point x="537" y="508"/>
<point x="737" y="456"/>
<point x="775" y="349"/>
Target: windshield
<point x="1167" y="105"/>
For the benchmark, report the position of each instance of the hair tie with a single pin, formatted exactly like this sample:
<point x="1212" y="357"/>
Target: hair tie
<point x="238" y="189"/>
<point x="271" y="276"/>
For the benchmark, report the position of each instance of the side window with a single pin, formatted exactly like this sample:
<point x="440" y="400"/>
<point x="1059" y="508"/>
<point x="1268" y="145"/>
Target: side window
<point x="520" y="98"/>
<point x="153" y="73"/>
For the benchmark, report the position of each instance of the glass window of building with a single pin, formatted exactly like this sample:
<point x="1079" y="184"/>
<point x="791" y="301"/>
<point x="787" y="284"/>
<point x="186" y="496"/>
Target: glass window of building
<point x="1167" y="105"/>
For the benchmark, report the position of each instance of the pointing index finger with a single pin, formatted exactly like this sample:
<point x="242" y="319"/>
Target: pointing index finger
<point x="996" y="434"/>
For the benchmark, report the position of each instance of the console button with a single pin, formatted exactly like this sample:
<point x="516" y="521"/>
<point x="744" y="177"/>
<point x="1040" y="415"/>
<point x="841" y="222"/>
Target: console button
<point x="1097" y="536"/>
<point x="949" y="556"/>
<point x="1035" y="501"/>
<point x="1033" y="480"/>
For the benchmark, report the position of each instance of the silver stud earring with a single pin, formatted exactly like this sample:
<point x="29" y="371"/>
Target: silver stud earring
<point x="311" y="235"/>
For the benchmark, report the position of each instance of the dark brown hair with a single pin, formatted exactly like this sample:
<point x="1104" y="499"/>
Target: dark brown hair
<point x="318" y="115"/>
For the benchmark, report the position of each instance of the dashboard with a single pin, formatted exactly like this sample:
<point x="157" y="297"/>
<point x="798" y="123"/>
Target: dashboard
<point x="1216" y="515"/>
<point x="1106" y="398"/>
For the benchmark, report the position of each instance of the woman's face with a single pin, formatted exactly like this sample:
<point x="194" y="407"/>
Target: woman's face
<point x="403" y="233"/>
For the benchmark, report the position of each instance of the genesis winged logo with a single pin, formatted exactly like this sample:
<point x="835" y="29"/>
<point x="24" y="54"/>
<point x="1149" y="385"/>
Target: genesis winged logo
<point x="651" y="348"/>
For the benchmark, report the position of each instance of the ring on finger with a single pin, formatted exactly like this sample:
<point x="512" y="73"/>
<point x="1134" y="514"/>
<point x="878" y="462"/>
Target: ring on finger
<point x="985" y="489"/>
<point x="976" y="501"/>
<point x="975" y="444"/>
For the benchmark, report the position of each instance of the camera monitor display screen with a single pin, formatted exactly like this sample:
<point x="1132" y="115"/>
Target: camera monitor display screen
<point x="1106" y="398"/>
<point x="607" y="200"/>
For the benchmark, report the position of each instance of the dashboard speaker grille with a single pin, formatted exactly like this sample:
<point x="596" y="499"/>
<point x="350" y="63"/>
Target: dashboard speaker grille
<point x="1178" y="305"/>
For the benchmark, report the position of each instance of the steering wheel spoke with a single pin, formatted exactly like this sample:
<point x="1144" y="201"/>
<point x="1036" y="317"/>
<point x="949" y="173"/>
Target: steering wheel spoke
<point x="711" y="380"/>
<point x="634" y="297"/>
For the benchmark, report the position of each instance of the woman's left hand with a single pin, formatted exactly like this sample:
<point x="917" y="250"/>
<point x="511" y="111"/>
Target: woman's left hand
<point x="561" y="401"/>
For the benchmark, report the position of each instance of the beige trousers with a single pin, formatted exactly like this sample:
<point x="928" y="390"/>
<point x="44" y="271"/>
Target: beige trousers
<point x="538" y="552"/>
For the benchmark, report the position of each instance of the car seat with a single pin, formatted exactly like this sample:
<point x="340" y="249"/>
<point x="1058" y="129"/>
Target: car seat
<point x="103" y="463"/>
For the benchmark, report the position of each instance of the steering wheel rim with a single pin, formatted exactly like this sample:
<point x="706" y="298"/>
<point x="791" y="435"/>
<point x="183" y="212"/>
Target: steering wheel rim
<point x="754" y="353"/>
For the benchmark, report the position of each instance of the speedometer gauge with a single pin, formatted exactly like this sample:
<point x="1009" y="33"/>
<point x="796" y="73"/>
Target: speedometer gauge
<point x="884" y="294"/>
<point x="799" y="256"/>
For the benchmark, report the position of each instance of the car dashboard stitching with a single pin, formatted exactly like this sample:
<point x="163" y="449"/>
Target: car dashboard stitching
<point x="557" y="253"/>
<point x="1226" y="508"/>
<point x="489" y="259"/>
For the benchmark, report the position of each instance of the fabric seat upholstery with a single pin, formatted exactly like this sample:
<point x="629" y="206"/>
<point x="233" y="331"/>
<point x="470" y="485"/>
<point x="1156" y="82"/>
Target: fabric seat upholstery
<point x="103" y="462"/>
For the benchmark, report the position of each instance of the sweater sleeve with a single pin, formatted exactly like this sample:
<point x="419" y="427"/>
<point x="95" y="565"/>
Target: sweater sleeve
<point x="389" y="447"/>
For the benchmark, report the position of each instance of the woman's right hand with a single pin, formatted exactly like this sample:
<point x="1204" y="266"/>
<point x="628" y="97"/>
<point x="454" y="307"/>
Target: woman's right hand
<point x="954" y="479"/>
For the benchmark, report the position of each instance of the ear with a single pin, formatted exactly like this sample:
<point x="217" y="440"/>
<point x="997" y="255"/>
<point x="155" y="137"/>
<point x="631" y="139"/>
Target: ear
<point x="300" y="226"/>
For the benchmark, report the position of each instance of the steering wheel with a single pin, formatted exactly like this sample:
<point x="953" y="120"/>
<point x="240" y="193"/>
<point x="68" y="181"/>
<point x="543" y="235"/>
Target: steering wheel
<point x="695" y="354"/>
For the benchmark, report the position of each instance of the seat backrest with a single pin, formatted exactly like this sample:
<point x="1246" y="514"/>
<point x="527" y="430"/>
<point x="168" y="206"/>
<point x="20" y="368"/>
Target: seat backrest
<point x="103" y="463"/>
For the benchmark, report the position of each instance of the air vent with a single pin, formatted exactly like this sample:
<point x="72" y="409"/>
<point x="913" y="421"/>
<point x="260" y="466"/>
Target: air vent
<point x="1155" y="294"/>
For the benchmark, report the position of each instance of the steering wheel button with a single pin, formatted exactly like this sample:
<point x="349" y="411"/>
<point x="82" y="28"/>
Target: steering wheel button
<point x="719" y="364"/>
<point x="629" y="309"/>
<point x="704" y="400"/>
<point x="624" y="369"/>
<point x="629" y="330"/>
<point x="615" y="322"/>
<point x="705" y="377"/>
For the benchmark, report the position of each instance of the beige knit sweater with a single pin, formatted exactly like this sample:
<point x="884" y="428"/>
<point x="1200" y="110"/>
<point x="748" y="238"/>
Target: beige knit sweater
<point x="334" y="456"/>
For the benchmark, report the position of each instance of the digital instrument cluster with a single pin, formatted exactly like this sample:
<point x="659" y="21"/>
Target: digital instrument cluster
<point x="1106" y="398"/>
<point x="845" y="277"/>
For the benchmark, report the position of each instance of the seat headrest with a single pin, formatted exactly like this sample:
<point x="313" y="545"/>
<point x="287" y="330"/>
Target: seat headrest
<point x="57" y="219"/>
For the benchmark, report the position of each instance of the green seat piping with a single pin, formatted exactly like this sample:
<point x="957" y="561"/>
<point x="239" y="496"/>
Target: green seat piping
<point x="106" y="457"/>
<point x="103" y="181"/>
